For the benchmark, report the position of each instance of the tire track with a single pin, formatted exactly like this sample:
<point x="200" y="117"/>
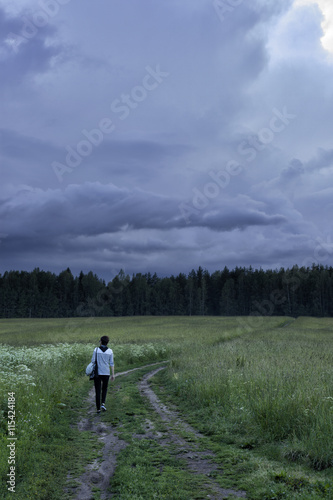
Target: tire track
<point x="99" y="473"/>
<point x="199" y="462"/>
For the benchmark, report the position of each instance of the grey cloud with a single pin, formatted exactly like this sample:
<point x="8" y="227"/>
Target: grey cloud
<point x="16" y="146"/>
<point x="134" y="157"/>
<point x="24" y="55"/>
<point x="225" y="78"/>
<point x="241" y="220"/>
<point x="93" y="209"/>
<point x="32" y="159"/>
<point x="323" y="159"/>
<point x="25" y="158"/>
<point x="294" y="169"/>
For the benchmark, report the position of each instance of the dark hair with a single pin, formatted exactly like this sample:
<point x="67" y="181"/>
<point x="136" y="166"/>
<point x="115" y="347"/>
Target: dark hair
<point x="105" y="340"/>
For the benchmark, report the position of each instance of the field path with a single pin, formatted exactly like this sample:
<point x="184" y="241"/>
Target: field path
<point x="200" y="462"/>
<point x="99" y="473"/>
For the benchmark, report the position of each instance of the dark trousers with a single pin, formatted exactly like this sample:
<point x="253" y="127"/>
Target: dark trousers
<point x="101" y="382"/>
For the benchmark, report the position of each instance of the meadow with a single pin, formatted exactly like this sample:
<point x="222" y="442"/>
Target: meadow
<point x="260" y="389"/>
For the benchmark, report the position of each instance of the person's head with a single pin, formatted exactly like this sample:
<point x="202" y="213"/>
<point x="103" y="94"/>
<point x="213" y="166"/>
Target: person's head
<point x="104" y="340"/>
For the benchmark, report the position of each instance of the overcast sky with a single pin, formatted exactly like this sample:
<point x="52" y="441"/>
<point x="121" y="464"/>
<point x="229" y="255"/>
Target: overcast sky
<point x="162" y="136"/>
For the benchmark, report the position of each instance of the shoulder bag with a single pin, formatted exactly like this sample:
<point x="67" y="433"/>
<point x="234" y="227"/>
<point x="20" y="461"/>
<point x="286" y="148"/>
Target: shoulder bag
<point x="92" y="368"/>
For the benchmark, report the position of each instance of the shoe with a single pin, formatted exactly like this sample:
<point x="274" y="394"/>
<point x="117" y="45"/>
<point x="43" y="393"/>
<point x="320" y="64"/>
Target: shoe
<point x="98" y="411"/>
<point x="103" y="407"/>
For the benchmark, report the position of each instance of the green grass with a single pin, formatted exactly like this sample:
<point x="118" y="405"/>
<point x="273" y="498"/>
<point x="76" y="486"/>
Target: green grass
<point x="176" y="331"/>
<point x="260" y="390"/>
<point x="273" y="384"/>
<point x="47" y="445"/>
<point x="145" y="469"/>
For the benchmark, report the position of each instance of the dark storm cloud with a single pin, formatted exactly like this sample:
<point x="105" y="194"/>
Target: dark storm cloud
<point x="120" y="206"/>
<point x="103" y="224"/>
<point x="94" y="209"/>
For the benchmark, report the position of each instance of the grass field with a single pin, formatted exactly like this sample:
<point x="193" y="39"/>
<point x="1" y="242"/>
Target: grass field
<point x="260" y="391"/>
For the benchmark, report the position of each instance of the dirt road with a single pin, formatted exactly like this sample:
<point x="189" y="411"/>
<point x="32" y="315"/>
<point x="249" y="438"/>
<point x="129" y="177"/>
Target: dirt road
<point x="99" y="473"/>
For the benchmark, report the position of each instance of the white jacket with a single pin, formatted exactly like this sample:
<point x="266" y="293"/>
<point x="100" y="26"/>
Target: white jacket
<point x="104" y="360"/>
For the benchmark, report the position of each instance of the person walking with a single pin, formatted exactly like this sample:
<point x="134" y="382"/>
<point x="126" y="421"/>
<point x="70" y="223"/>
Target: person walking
<point x="104" y="361"/>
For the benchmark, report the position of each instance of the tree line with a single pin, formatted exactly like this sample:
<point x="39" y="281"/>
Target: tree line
<point x="296" y="291"/>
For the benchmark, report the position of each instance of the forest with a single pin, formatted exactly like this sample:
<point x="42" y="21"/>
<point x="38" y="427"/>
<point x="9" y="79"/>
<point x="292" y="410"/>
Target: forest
<point x="297" y="291"/>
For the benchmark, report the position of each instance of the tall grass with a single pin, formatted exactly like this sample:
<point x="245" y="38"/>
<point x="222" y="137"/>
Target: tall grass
<point x="44" y="380"/>
<point x="137" y="329"/>
<point x="268" y="384"/>
<point x="49" y="383"/>
<point x="275" y="384"/>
